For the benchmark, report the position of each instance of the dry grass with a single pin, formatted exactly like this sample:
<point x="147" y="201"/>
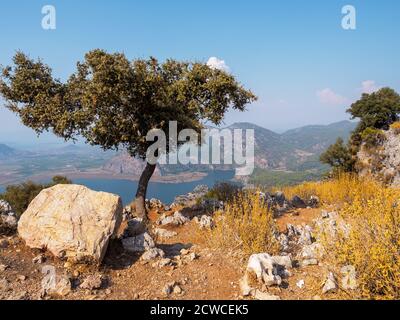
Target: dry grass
<point x="247" y="225"/>
<point x="371" y="240"/>
<point x="344" y="189"/>
<point x="395" y="127"/>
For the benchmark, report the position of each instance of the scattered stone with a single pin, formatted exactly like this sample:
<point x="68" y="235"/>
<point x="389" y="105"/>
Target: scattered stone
<point x="176" y="219"/>
<point x="349" y="277"/>
<point x="330" y="284"/>
<point x="51" y="287"/>
<point x="39" y="259"/>
<point x="21" y="278"/>
<point x="3" y="267"/>
<point x="4" y="243"/>
<point x="140" y="243"/>
<point x="184" y="252"/>
<point x="4" y="284"/>
<point x="313" y="202"/>
<point x="71" y="221"/>
<point x="301" y="283"/>
<point x="152" y="254"/>
<point x="163" y="233"/>
<point x="205" y="222"/>
<point x="324" y="214"/>
<point x="308" y="262"/>
<point x="135" y="227"/>
<point x="268" y="270"/>
<point x="312" y="251"/>
<point x="92" y="282"/>
<point x="177" y="289"/>
<point x="298" y="202"/>
<point x="164" y="262"/>
<point x="259" y="295"/>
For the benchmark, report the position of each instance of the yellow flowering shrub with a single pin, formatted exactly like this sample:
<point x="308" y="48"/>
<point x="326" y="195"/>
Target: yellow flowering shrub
<point x="371" y="243"/>
<point x="395" y="127"/>
<point x="246" y="224"/>
<point x="338" y="191"/>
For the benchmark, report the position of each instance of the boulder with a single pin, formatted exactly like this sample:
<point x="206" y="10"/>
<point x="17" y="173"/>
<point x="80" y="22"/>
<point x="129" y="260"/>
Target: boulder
<point x="92" y="282"/>
<point x="298" y="202"/>
<point x="205" y="222"/>
<point x="269" y="269"/>
<point x="176" y="219"/>
<point x="139" y="243"/>
<point x="313" y="202"/>
<point x="349" y="277"/>
<point x="164" y="233"/>
<point x="330" y="284"/>
<point x="71" y="221"/>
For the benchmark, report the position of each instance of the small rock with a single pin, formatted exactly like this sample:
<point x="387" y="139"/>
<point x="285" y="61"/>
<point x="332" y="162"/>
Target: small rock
<point x="349" y="277"/>
<point x="300" y="284"/>
<point x="92" y="282"/>
<point x="259" y="295"/>
<point x="330" y="284"/>
<point x="21" y="278"/>
<point x="164" y="262"/>
<point x="4" y="284"/>
<point x="4" y="243"/>
<point x="39" y="259"/>
<point x="62" y="287"/>
<point x="308" y="262"/>
<point x="163" y="233"/>
<point x="184" y="252"/>
<point x="177" y="289"/>
<point x="152" y="254"/>
<point x="297" y="202"/>
<point x="205" y="222"/>
<point x="139" y="243"/>
<point x="3" y="267"/>
<point x="108" y="291"/>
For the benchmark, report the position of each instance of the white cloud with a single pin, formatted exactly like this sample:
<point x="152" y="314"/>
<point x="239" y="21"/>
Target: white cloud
<point x="215" y="63"/>
<point x="328" y="96"/>
<point x="369" y="86"/>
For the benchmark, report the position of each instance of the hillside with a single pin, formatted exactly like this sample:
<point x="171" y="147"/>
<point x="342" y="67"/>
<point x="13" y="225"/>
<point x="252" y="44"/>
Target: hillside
<point x="6" y="151"/>
<point x="294" y="150"/>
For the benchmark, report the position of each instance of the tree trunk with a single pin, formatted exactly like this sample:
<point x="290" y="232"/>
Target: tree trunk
<point x="139" y="203"/>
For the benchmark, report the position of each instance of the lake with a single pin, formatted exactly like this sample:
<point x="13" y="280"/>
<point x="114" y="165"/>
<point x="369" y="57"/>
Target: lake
<point x="166" y="192"/>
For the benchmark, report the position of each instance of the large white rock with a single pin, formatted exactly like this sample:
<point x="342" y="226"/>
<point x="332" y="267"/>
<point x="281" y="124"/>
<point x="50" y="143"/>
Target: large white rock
<point x="71" y="221"/>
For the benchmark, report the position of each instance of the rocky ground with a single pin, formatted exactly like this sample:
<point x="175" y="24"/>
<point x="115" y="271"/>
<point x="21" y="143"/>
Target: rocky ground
<point x="187" y="269"/>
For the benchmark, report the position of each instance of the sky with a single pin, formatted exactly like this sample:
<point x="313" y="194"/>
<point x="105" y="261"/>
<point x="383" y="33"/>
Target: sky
<point x="294" y="55"/>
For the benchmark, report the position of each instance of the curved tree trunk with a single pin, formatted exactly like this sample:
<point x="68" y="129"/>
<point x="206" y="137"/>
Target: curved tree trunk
<point x="139" y="203"/>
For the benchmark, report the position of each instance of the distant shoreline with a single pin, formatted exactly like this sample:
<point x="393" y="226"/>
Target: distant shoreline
<point x="101" y="174"/>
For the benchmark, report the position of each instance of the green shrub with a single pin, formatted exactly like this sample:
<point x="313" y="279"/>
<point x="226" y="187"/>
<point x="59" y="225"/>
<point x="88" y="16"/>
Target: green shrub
<point x="223" y="191"/>
<point x="372" y="137"/>
<point x="20" y="196"/>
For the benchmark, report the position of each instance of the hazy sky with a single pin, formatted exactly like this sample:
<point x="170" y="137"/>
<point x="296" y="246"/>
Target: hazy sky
<point x="295" y="55"/>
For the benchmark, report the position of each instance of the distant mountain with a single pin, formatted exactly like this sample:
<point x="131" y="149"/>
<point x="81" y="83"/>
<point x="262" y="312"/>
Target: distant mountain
<point x="294" y="150"/>
<point x="318" y="137"/>
<point x="6" y="151"/>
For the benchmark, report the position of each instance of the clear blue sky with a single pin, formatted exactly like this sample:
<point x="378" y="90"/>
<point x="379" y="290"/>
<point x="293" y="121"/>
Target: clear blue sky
<point x="293" y="54"/>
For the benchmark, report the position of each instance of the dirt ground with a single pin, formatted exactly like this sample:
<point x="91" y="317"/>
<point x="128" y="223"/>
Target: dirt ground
<point x="212" y="275"/>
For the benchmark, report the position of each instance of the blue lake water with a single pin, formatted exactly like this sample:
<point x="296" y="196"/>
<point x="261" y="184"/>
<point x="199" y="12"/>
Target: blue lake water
<point x="166" y="192"/>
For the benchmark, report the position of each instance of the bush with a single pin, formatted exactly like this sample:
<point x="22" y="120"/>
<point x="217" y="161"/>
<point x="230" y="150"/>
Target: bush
<point x="223" y="191"/>
<point x="372" y="137"/>
<point x="395" y="127"/>
<point x="20" y="196"/>
<point x="372" y="240"/>
<point x="339" y="157"/>
<point x="245" y="224"/>
<point x="373" y="244"/>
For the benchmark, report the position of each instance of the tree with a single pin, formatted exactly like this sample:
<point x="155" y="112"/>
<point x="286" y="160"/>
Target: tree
<point x="376" y="110"/>
<point x="113" y="102"/>
<point x="339" y="157"/>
